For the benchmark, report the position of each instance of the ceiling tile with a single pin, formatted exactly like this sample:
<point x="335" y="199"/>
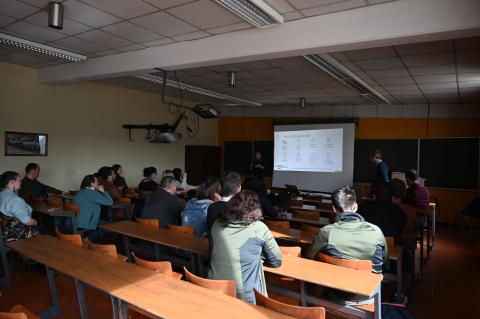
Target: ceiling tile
<point x="379" y="64"/>
<point x="104" y="39"/>
<point x="374" y="53"/>
<point x="4" y="20"/>
<point x="433" y="70"/>
<point x="81" y="45"/>
<point x="254" y="65"/>
<point x="133" y="47"/>
<point x="191" y="36"/>
<point x="334" y="7"/>
<point x="34" y="31"/>
<point x="419" y="110"/>
<point x="423" y="48"/>
<point x="16" y="9"/>
<point x="88" y="15"/>
<point x="131" y="32"/>
<point x="389" y="73"/>
<point x="42" y="4"/>
<point x="125" y="9"/>
<point x="468" y="67"/>
<point x="230" y="28"/>
<point x="398" y="80"/>
<point x="164" y="4"/>
<point x="70" y="27"/>
<point x="469" y="77"/>
<point x="156" y="43"/>
<point x="304" y="4"/>
<point x="106" y="52"/>
<point x="280" y="6"/>
<point x="469" y="84"/>
<point x="204" y="14"/>
<point x="294" y="15"/>
<point x="439" y="86"/>
<point x="428" y="59"/>
<point x="400" y="87"/>
<point x="164" y="24"/>
<point x="436" y="78"/>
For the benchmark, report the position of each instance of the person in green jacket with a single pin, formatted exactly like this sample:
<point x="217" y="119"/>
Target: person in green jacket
<point x="90" y="198"/>
<point x="31" y="186"/>
<point x="240" y="243"/>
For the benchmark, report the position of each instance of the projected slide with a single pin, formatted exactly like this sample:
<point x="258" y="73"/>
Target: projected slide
<point x="309" y="150"/>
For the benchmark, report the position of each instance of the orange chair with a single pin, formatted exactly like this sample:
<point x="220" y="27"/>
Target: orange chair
<point x="187" y="230"/>
<point x="72" y="207"/>
<point x="18" y="312"/>
<point x="306" y="214"/>
<point x="106" y="249"/>
<point x="75" y="239"/>
<point x="277" y="224"/>
<point x="390" y="242"/>
<point x="154" y="223"/>
<point x="294" y="311"/>
<point x="309" y="228"/>
<point x="54" y="202"/>
<point x="163" y="267"/>
<point x="226" y="287"/>
<point x="294" y="251"/>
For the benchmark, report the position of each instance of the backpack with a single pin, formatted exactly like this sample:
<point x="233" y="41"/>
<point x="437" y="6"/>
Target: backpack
<point x="395" y="311"/>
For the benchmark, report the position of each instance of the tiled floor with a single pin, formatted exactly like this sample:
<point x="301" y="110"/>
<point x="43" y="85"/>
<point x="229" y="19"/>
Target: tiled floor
<point x="450" y="287"/>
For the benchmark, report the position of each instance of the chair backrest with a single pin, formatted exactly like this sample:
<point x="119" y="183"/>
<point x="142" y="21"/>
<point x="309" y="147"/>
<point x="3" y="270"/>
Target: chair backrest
<point x="38" y="200"/>
<point x="187" y="230"/>
<point x="106" y="249"/>
<point x="294" y="251"/>
<point x="226" y="287"/>
<point x="309" y="228"/>
<point x="390" y="242"/>
<point x="277" y="224"/>
<point x="154" y="223"/>
<point x="54" y="202"/>
<point x="306" y="214"/>
<point x="124" y="200"/>
<point x="18" y="312"/>
<point x="129" y="191"/>
<point x="163" y="267"/>
<point x="362" y="265"/>
<point x="73" y="207"/>
<point x="75" y="239"/>
<point x="290" y="310"/>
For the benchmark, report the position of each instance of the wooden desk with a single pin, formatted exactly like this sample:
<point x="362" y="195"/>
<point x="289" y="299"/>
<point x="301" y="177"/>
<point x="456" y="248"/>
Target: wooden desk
<point x="196" y="246"/>
<point x="295" y="235"/>
<point x="326" y="275"/>
<point x="314" y="222"/>
<point x="56" y="212"/>
<point x="126" y="283"/>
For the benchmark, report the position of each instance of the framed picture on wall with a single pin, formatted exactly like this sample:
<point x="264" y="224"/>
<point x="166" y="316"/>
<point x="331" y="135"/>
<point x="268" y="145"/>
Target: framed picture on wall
<point x="26" y="144"/>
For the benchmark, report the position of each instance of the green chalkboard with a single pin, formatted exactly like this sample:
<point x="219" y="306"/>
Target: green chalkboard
<point x="237" y="156"/>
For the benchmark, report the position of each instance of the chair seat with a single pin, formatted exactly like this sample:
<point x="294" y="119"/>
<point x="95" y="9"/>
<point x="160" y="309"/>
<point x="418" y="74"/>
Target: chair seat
<point x="369" y="307"/>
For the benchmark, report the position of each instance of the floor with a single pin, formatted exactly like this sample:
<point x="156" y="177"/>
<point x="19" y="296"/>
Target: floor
<point x="450" y="287"/>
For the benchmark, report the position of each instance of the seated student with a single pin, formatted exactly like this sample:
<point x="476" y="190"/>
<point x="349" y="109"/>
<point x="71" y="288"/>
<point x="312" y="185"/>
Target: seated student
<point x="384" y="213"/>
<point x="182" y="179"/>
<point x="91" y="196"/>
<point x="163" y="205"/>
<point x="257" y="185"/>
<point x="106" y="179"/>
<point x="241" y="244"/>
<point x="410" y="230"/>
<point x="31" y="186"/>
<point x="15" y="214"/>
<point x="416" y="194"/>
<point x="195" y="211"/>
<point x="231" y="185"/>
<point x="350" y="237"/>
<point x="119" y="180"/>
<point x="148" y="184"/>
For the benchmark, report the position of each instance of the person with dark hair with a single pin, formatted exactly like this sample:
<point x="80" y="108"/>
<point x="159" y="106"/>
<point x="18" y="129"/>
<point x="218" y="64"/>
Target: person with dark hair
<point x="148" y="184"/>
<point x="416" y="194"/>
<point x="231" y="185"/>
<point x="91" y="196"/>
<point x="259" y="166"/>
<point x="163" y="205"/>
<point x="381" y="170"/>
<point x="241" y="245"/>
<point x="257" y="185"/>
<point x="350" y="236"/>
<point x="106" y="179"/>
<point x="31" y="186"/>
<point x="181" y="179"/>
<point x="119" y="180"/>
<point x="15" y="214"/>
<point x="384" y="213"/>
<point x="195" y="212"/>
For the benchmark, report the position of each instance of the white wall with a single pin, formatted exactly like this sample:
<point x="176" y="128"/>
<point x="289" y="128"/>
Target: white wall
<point x="84" y="126"/>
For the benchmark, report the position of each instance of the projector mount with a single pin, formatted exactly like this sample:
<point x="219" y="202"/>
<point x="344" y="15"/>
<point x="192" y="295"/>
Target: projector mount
<point x="155" y="129"/>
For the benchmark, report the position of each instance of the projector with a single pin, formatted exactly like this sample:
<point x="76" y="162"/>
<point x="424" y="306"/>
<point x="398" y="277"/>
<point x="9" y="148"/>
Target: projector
<point x="206" y="111"/>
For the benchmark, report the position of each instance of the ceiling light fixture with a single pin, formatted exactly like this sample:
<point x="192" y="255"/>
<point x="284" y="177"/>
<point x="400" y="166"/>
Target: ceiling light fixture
<point x="55" y="15"/>
<point x="342" y="74"/>
<point x="196" y="89"/>
<point x="232" y="79"/>
<point x="303" y="102"/>
<point x="40" y="48"/>
<point x="256" y="12"/>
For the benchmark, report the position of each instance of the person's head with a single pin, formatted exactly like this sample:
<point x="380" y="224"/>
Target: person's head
<point x="375" y="156"/>
<point x="10" y="180"/>
<point x="209" y="190"/>
<point x="89" y="181"/>
<point x="32" y="170"/>
<point x="383" y="192"/>
<point x="411" y="176"/>
<point x="177" y="172"/>
<point x="150" y="172"/>
<point x="167" y="172"/>
<point x="398" y="189"/>
<point x="106" y="173"/>
<point x="117" y="169"/>
<point x="344" y="200"/>
<point x="232" y="184"/>
<point x="258" y="156"/>
<point x="168" y="184"/>
<point x="243" y="208"/>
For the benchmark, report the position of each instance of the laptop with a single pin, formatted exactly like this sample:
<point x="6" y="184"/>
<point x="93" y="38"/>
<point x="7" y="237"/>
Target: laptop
<point x="293" y="189"/>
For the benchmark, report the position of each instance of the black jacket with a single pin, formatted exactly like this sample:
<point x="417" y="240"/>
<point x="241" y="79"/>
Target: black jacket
<point x="214" y="211"/>
<point x="163" y="206"/>
<point x="147" y="186"/>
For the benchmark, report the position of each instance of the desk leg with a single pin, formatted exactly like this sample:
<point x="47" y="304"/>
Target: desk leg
<point x="400" y="277"/>
<point x="421" y="251"/>
<point x="156" y="247"/>
<point x="119" y="308"/>
<point x="128" y="251"/>
<point x="434" y="213"/>
<point x="54" y="310"/>
<point x="80" y="287"/>
<point x="7" y="278"/>
<point x="199" y="265"/>
<point x="378" y="303"/>
<point x="74" y="223"/>
<point x="428" y="238"/>
<point x="303" y="302"/>
<point x="193" y="263"/>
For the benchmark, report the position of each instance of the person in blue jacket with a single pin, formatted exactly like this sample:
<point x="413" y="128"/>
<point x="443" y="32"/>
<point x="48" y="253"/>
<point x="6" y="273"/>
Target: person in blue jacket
<point x="90" y="198"/>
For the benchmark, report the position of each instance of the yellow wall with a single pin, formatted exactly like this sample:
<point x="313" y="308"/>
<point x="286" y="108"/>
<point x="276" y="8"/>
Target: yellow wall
<point x="84" y="126"/>
<point x="261" y="129"/>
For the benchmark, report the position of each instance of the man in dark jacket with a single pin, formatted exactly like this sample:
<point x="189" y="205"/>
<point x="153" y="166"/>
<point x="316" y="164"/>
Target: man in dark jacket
<point x="381" y="170"/>
<point x="231" y="185"/>
<point x="31" y="186"/>
<point x="163" y="205"/>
